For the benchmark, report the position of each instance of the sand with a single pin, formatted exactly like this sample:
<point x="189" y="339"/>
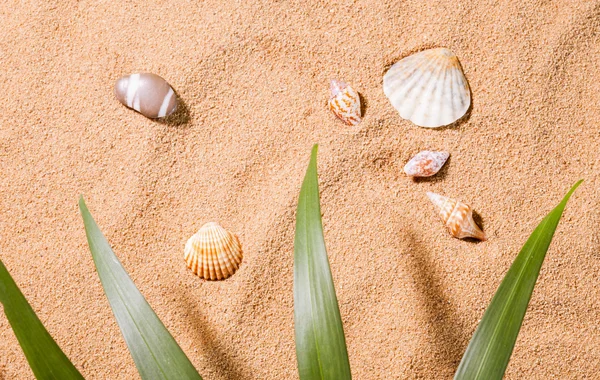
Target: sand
<point x="254" y="79"/>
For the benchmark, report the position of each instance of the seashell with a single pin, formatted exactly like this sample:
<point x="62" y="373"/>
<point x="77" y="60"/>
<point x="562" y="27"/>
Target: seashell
<point x="146" y="93"/>
<point x="457" y="216"/>
<point x="428" y="88"/>
<point x="426" y="163"/>
<point x="213" y="253"/>
<point x="345" y="102"/>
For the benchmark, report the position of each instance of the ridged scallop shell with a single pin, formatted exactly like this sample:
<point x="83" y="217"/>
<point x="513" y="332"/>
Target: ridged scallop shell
<point x="457" y="216"/>
<point x="213" y="253"/>
<point x="344" y="102"/>
<point x="426" y="163"/>
<point x="146" y="93"/>
<point x="428" y="88"/>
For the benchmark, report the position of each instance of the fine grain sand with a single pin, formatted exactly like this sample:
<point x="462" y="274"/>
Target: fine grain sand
<point x="254" y="78"/>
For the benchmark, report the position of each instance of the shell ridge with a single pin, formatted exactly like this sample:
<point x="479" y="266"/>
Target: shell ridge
<point x="453" y="94"/>
<point x="409" y="93"/>
<point x="458" y="100"/>
<point x="407" y="103"/>
<point x="397" y="74"/>
<point x="218" y="248"/>
<point x="464" y="96"/>
<point x="417" y="73"/>
<point x="208" y="259"/>
<point x="228" y="257"/>
<point x="427" y="105"/>
<point x="447" y="95"/>
<point x="217" y="264"/>
<point x="444" y="112"/>
<point x="194" y="264"/>
<point x="211" y="247"/>
<point x="400" y="70"/>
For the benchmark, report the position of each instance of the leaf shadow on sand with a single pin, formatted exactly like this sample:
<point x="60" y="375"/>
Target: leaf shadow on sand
<point x="445" y="331"/>
<point x="211" y="350"/>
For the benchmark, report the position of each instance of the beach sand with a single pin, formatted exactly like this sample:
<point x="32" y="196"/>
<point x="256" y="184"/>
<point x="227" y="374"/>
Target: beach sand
<point x="253" y="77"/>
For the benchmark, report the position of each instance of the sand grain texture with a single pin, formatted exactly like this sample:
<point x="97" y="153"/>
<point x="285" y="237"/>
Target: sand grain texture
<point x="254" y="78"/>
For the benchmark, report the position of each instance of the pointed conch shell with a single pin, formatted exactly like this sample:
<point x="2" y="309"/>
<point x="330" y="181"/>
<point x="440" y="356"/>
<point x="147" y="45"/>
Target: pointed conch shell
<point x="146" y="93"/>
<point x="457" y="216"/>
<point x="213" y="253"/>
<point x="428" y="88"/>
<point x="344" y="102"/>
<point x="426" y="163"/>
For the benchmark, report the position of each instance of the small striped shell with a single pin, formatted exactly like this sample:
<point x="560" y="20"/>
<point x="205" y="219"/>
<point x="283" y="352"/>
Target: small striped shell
<point x="428" y="88"/>
<point x="344" y="102"/>
<point x="146" y="93"/>
<point x="426" y="163"/>
<point x="213" y="253"/>
<point x="457" y="216"/>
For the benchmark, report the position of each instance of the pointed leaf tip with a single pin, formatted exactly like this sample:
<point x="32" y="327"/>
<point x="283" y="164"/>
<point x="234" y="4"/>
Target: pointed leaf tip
<point x="320" y="344"/>
<point x="573" y="188"/>
<point x="313" y="154"/>
<point x="81" y="203"/>
<point x="155" y="352"/>
<point x="491" y="346"/>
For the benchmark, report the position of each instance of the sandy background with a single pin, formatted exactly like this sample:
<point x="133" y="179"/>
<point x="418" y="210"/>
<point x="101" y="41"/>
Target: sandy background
<point x="254" y="77"/>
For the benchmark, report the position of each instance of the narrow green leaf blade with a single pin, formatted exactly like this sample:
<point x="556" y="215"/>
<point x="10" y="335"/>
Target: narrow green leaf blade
<point x="320" y="343"/>
<point x="154" y="351"/>
<point x="46" y="359"/>
<point x="492" y="344"/>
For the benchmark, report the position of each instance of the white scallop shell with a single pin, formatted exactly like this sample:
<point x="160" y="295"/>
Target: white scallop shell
<point x="428" y="88"/>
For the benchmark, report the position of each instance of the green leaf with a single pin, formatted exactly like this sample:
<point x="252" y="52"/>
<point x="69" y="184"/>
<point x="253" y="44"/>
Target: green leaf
<point x="154" y="351"/>
<point x="320" y="343"/>
<point x="492" y="344"/>
<point x="46" y="359"/>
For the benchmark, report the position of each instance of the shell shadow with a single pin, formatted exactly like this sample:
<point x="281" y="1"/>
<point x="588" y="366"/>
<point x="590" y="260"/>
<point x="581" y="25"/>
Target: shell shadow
<point x="209" y="343"/>
<point x="363" y="105"/>
<point x="480" y="222"/>
<point x="446" y="331"/>
<point x="439" y="176"/>
<point x="181" y="116"/>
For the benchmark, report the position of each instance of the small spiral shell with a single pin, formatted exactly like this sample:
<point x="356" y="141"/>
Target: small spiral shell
<point x="457" y="216"/>
<point x="426" y="163"/>
<point x="213" y="253"/>
<point x="345" y="102"/>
